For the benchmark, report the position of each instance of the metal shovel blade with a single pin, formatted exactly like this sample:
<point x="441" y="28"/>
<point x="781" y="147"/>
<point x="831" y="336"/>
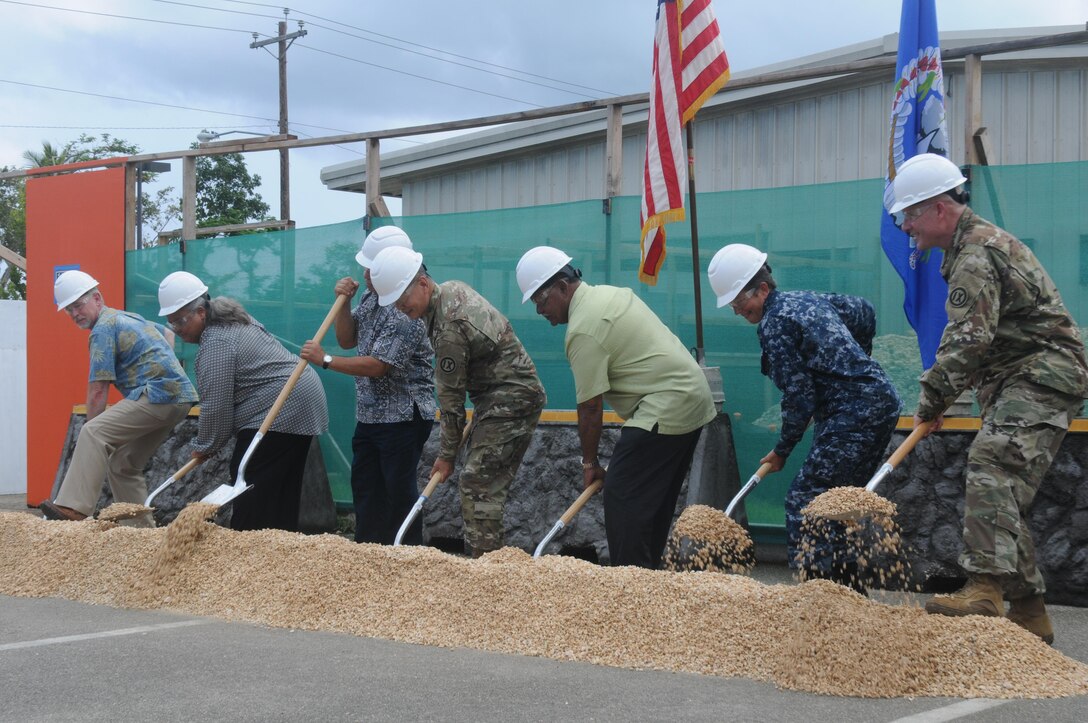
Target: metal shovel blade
<point x="567" y="516"/>
<point x="409" y="520"/>
<point x="172" y="479"/>
<point x="748" y="487"/>
<point x="548" y="538"/>
<point x="435" y="479"/>
<point x="223" y="494"/>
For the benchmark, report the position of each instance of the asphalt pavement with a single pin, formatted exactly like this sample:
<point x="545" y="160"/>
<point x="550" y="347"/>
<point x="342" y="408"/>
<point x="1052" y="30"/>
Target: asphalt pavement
<point x="68" y="661"/>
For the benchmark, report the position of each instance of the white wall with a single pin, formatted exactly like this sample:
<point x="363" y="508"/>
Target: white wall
<point x="12" y="397"/>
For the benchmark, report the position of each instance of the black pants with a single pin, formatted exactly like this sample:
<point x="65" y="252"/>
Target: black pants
<point x="275" y="471"/>
<point x="643" y="482"/>
<point x="384" y="478"/>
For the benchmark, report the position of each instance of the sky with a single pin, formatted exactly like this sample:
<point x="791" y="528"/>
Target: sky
<point x="156" y="72"/>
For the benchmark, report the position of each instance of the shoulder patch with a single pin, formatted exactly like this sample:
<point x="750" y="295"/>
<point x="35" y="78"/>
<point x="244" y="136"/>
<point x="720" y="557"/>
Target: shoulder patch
<point x="447" y="364"/>
<point x="957" y="296"/>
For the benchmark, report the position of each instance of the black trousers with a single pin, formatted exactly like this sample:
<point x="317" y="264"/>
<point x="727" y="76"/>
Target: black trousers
<point x="643" y="482"/>
<point x="275" y="471"/>
<point x="384" y="478"/>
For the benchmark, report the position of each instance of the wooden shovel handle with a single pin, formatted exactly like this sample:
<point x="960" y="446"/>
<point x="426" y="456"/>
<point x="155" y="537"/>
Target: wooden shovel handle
<point x="300" y="367"/>
<point x="908" y="444"/>
<point x="436" y="478"/>
<point x="764" y="470"/>
<point x="579" y="503"/>
<point x="186" y="469"/>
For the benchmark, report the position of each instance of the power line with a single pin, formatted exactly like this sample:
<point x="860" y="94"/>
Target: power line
<point x="115" y="128"/>
<point x="409" y="50"/>
<point x="415" y="75"/>
<point x="453" y="62"/>
<point x="164" y="105"/>
<point x="326" y="52"/>
<point x="125" y="17"/>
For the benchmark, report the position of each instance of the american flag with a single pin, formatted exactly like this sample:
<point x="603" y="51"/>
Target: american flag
<point x="689" y="67"/>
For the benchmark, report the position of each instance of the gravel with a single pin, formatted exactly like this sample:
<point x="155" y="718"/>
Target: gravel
<point x="816" y="636"/>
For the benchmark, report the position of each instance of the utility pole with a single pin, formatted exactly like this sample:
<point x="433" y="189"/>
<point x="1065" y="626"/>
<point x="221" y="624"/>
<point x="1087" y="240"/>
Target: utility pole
<point x="284" y="40"/>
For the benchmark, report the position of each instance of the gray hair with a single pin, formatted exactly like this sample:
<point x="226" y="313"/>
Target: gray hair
<point x="221" y="311"/>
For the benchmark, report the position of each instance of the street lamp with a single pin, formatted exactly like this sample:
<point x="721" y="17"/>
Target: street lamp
<point x="207" y="136"/>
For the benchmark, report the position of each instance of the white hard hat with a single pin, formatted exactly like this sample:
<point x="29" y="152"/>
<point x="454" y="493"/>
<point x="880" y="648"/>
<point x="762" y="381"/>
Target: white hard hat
<point x="71" y="285"/>
<point x="537" y="265"/>
<point x="733" y="267"/>
<point x="177" y="290"/>
<point x="378" y="239"/>
<point x="393" y="269"/>
<point x="921" y="177"/>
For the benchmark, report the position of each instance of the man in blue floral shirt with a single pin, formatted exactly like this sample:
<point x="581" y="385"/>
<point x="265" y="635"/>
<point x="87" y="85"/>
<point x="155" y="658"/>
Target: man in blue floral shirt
<point x="137" y="357"/>
<point x="395" y="404"/>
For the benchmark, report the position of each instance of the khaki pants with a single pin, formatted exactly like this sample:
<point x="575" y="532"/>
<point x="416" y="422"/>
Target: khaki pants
<point x="116" y="445"/>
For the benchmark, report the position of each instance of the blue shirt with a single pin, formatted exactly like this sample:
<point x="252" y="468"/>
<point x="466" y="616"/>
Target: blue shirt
<point x="815" y="360"/>
<point x="389" y="336"/>
<point x="132" y="352"/>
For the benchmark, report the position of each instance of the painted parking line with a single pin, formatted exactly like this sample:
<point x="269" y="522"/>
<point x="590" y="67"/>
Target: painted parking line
<point x="953" y="711"/>
<point x="104" y="634"/>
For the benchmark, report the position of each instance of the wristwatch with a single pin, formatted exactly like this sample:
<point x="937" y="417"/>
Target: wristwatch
<point x="326" y="361"/>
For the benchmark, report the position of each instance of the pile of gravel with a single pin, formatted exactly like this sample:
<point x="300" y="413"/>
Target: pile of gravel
<point x="817" y="636"/>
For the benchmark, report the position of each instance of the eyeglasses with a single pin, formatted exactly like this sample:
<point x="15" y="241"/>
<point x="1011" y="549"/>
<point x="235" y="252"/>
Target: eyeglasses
<point x="542" y="296"/>
<point x="77" y="304"/>
<point x="177" y="324"/>
<point x="741" y="299"/>
<point x="917" y="213"/>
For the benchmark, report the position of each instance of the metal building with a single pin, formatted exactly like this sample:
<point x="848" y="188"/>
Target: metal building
<point x="1033" y="106"/>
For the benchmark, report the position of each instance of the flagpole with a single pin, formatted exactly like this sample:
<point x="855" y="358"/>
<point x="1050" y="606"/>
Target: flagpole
<point x="699" y="353"/>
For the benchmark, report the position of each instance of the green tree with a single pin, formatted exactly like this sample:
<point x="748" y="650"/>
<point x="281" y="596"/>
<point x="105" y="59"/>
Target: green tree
<point x="13" y="233"/>
<point x="226" y="192"/>
<point x="50" y="155"/>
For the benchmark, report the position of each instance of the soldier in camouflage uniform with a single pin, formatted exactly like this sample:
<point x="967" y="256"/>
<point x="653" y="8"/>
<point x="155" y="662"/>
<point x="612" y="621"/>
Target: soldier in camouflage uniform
<point x="1010" y="337"/>
<point x="816" y="349"/>
<point x="476" y="353"/>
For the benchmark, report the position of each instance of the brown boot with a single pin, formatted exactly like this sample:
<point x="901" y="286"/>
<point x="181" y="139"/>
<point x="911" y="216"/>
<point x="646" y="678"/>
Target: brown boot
<point x="52" y="511"/>
<point x="1030" y="614"/>
<point x="980" y="596"/>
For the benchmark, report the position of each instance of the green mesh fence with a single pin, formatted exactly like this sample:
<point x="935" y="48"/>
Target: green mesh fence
<point x="820" y="237"/>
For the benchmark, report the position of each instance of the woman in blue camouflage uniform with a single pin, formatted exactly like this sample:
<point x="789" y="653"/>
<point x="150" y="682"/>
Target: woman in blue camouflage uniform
<point x="816" y="350"/>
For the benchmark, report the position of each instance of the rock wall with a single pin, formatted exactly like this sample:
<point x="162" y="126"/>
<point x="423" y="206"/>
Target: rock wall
<point x="317" y="513"/>
<point x="928" y="489"/>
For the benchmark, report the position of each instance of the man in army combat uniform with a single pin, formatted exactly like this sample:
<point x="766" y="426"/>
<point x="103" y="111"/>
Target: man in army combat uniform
<point x="1011" y="338"/>
<point x="478" y="353"/>
<point x="816" y="350"/>
<point x="620" y="352"/>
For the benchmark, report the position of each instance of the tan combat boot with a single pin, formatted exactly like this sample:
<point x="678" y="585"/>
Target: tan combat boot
<point x="980" y="596"/>
<point x="1030" y="614"/>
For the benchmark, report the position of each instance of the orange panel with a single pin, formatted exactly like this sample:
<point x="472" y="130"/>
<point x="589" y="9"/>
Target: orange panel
<point x="75" y="220"/>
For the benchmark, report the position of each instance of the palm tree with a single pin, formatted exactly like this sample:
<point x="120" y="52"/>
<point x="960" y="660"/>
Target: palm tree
<point x="50" y="155"/>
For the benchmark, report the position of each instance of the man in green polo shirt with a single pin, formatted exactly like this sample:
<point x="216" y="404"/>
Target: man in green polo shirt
<point x="620" y="352"/>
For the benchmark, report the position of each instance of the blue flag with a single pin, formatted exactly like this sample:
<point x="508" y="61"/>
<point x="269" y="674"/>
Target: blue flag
<point x="917" y="126"/>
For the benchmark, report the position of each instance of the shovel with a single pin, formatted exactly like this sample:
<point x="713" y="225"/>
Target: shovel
<point x="224" y="493"/>
<point x="435" y="479"/>
<point x="189" y="466"/>
<point x="563" y="521"/>
<point x="110" y="515"/>
<point x="885" y="469"/>
<point x="748" y="487"/>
